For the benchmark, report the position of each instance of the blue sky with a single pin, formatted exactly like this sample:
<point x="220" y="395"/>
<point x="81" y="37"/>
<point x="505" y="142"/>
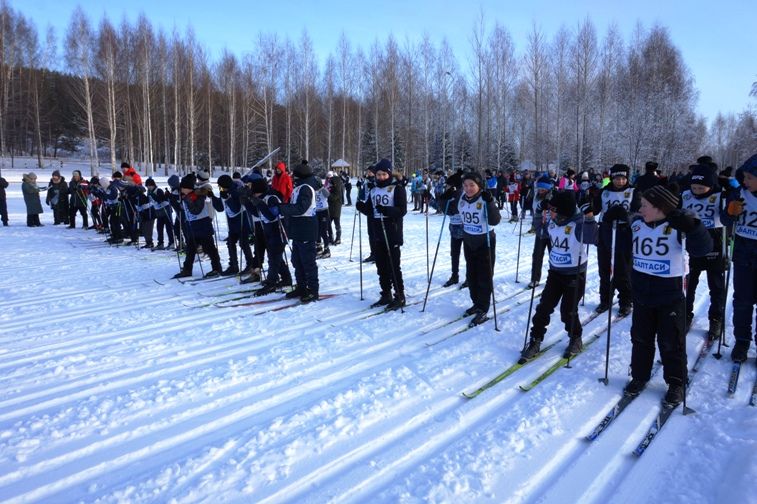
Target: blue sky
<point x="713" y="36"/>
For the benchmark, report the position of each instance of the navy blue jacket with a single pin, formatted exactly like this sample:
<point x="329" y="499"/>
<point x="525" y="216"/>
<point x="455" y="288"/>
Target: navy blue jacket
<point x="304" y="229"/>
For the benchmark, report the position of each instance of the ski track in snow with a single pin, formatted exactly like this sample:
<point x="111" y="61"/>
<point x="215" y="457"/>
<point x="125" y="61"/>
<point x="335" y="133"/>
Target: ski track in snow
<point x="117" y="389"/>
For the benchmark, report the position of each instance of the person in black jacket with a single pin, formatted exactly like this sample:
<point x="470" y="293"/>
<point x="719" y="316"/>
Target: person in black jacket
<point x="659" y="269"/>
<point x="163" y="217"/>
<point x="3" y="202"/>
<point x="570" y="229"/>
<point x="265" y="202"/>
<point x="78" y="188"/>
<point x="540" y="217"/>
<point x="448" y="202"/>
<point x="704" y="198"/>
<point x="57" y="198"/>
<point x="146" y="210"/>
<point x="478" y="213"/>
<point x="198" y="228"/>
<point x="617" y="201"/>
<point x="649" y="179"/>
<point x="302" y="229"/>
<point x="386" y="206"/>
<point x="238" y="222"/>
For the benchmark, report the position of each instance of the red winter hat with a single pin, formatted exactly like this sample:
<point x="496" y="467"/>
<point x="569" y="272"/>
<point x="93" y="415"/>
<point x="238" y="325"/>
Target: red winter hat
<point x="281" y="166"/>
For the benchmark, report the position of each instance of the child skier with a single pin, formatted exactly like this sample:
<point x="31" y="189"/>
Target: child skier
<point x="385" y="206"/>
<point x="616" y="202"/>
<point x="478" y="211"/>
<point x="704" y="199"/>
<point x="660" y="264"/>
<point x="742" y="211"/>
<point x="198" y="228"/>
<point x="238" y="222"/>
<point x="570" y="228"/>
<point x="540" y="207"/>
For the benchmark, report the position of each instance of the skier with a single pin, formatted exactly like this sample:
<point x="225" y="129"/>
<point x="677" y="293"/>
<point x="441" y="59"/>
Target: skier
<point x="78" y="189"/>
<point x="742" y="211"/>
<point x="266" y="203"/>
<point x="146" y="207"/>
<point x="386" y="205"/>
<point x="660" y="264"/>
<point x="198" y="228"/>
<point x="616" y="202"/>
<point x="704" y="199"/>
<point x="302" y="229"/>
<point x="3" y="201"/>
<point x="364" y="190"/>
<point x="282" y="182"/>
<point x="238" y="222"/>
<point x="513" y="196"/>
<point x="449" y="200"/>
<point x="31" y="199"/>
<point x="164" y="217"/>
<point x="478" y="211"/>
<point x="336" y="191"/>
<point x="96" y="208"/>
<point x="570" y="228"/>
<point x="322" y="214"/>
<point x="540" y="226"/>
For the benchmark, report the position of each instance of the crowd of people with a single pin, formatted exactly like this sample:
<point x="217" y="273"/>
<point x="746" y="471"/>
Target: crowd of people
<point x="653" y="236"/>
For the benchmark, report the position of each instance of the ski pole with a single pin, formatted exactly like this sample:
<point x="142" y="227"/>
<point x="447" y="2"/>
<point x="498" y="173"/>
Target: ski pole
<point x="489" y="263"/>
<point x="352" y="240"/>
<point x="436" y="252"/>
<point x="686" y="409"/>
<point x="428" y="273"/>
<point x="726" y="260"/>
<point x="391" y="261"/>
<point x="520" y="236"/>
<point x="605" y="380"/>
<point x="574" y="301"/>
<point x="360" y="251"/>
<point x="528" y="320"/>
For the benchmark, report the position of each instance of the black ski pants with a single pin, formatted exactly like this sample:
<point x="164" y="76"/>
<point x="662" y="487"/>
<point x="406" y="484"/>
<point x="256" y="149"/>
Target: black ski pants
<point x="715" y="269"/>
<point x="479" y="269"/>
<point x="666" y="323"/>
<point x="537" y="257"/>
<point x="305" y="267"/>
<point x="559" y="287"/>
<point x="388" y="267"/>
<point x="621" y="280"/>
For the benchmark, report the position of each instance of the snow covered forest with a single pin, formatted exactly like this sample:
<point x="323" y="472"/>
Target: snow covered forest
<point x="109" y="91"/>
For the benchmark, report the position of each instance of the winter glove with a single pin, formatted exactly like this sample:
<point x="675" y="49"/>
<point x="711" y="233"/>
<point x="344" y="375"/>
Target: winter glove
<point x="682" y="221"/>
<point x="736" y="207"/>
<point x="615" y="213"/>
<point x="448" y="193"/>
<point x="383" y="210"/>
<point x="225" y="194"/>
<point x="487" y="196"/>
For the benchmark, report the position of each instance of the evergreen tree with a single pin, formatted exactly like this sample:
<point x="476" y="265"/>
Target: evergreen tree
<point x="368" y="154"/>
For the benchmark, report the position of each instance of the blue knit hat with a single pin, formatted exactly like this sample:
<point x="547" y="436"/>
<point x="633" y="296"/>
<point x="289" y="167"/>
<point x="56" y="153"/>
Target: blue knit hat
<point x="750" y="166"/>
<point x="545" y="183"/>
<point x="384" y="165"/>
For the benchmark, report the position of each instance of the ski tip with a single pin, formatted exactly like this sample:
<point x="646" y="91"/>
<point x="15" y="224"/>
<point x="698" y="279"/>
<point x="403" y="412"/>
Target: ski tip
<point x="523" y="388"/>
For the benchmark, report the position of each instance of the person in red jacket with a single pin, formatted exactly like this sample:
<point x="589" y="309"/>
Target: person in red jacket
<point x="282" y="182"/>
<point x="513" y="196"/>
<point x="128" y="171"/>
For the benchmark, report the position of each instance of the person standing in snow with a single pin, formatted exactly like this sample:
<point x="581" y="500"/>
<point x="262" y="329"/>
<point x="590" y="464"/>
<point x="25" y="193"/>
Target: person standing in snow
<point x="31" y="199"/>
<point x="3" y="201"/>
<point x="540" y="226"/>
<point x="238" y="222"/>
<point x="282" y="182"/>
<point x="478" y="211"/>
<point x="448" y="201"/>
<point x="78" y="188"/>
<point x="57" y="198"/>
<point x="336" y="190"/>
<point x="198" y="228"/>
<point x="704" y="198"/>
<point x="386" y="205"/>
<point x="617" y="201"/>
<point x="302" y="229"/>
<point x="742" y="212"/>
<point x="570" y="228"/>
<point x="660" y="265"/>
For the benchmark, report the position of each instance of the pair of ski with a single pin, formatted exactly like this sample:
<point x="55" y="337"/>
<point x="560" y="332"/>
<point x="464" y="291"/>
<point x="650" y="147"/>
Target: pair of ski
<point x="554" y="367"/>
<point x="471" y="325"/>
<point x="294" y="302"/>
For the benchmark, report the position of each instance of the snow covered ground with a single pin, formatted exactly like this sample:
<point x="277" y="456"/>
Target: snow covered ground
<point x="117" y="389"/>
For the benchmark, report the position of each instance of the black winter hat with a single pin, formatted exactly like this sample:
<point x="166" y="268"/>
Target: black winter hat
<point x="302" y="170"/>
<point x="475" y="177"/>
<point x="619" y="170"/>
<point x="259" y="185"/>
<point x="455" y="180"/>
<point x="384" y="165"/>
<point x="703" y="175"/>
<point x="56" y="173"/>
<point x="650" y="166"/>
<point x="564" y="203"/>
<point x="704" y="160"/>
<point x="187" y="182"/>
<point x="570" y="172"/>
<point x="150" y="182"/>
<point x="661" y="197"/>
<point x="173" y="181"/>
<point x="225" y="182"/>
<point x="117" y="174"/>
<point x="124" y="164"/>
<point x="750" y="166"/>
